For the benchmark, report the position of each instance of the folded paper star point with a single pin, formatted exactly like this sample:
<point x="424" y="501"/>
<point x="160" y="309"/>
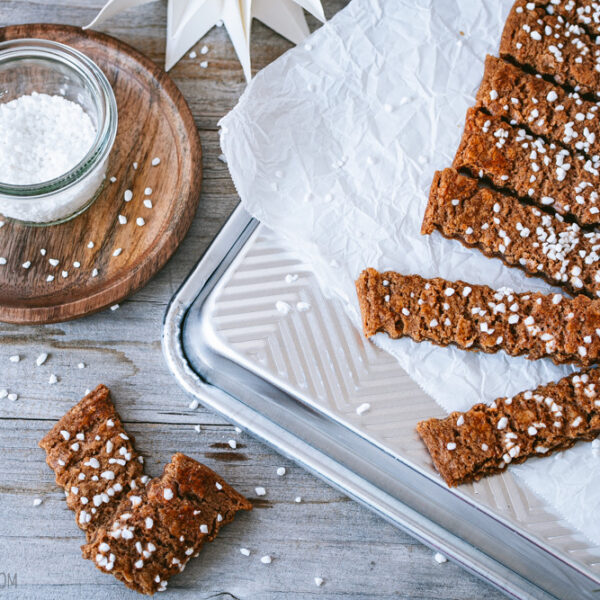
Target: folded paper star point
<point x="190" y="20"/>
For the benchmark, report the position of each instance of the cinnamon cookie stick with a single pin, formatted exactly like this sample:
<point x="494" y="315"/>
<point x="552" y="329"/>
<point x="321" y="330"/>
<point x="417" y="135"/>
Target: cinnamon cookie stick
<point x="543" y="108"/>
<point x="154" y="534"/>
<point x="544" y="173"/>
<point x="522" y="236"/>
<point x="477" y="317"/>
<point x="486" y="439"/>
<point x="551" y="45"/>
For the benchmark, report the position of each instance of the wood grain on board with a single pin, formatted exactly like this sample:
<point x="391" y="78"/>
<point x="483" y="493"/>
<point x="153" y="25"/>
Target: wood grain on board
<point x="154" y="121"/>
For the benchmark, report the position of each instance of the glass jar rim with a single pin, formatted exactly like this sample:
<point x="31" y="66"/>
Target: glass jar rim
<point x="93" y="76"/>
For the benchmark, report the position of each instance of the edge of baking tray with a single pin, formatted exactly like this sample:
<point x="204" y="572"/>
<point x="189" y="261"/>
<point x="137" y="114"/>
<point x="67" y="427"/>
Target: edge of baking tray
<point x="309" y="452"/>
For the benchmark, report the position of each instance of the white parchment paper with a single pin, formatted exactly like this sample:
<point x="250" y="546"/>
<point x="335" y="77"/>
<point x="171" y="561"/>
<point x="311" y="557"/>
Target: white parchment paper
<point x="334" y="146"/>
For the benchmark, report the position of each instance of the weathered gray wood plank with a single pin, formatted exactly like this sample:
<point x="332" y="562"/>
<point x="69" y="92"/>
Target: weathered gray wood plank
<point x="359" y="555"/>
<point x="325" y="535"/>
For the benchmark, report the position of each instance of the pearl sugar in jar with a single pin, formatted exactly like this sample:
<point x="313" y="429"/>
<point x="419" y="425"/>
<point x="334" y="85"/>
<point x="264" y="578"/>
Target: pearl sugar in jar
<point x="58" y="122"/>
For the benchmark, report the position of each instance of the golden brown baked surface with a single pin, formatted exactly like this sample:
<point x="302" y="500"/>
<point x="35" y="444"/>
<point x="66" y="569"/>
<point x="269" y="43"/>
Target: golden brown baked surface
<point x="155" y="533"/>
<point x="523" y="236"/>
<point x="93" y="458"/>
<point x="551" y="45"/>
<point x="486" y="439"/>
<point x="477" y="317"/>
<point x="544" y="173"/>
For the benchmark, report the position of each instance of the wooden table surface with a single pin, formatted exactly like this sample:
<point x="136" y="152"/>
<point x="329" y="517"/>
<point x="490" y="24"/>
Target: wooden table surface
<point x="327" y="535"/>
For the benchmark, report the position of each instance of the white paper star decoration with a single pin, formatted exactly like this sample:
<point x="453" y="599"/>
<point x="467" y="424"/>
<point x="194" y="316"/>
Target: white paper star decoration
<point x="189" y="20"/>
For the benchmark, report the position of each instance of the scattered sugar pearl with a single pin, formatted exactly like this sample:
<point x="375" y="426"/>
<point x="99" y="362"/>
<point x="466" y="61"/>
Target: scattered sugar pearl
<point x="41" y="359"/>
<point x="122" y="219"/>
<point x="281" y="471"/>
<point x="318" y="581"/>
<point x="117" y="251"/>
<point x="26" y="264"/>
<point x="168" y="493"/>
<point x="155" y="161"/>
<point x="204" y="64"/>
<point x="77" y="264"/>
<point x="193" y="405"/>
<point x="37" y="501"/>
<point x="219" y="487"/>
<point x="148" y="191"/>
<point x="282" y="307"/>
<point x="204" y="50"/>
<point x="53" y="261"/>
<point x="245" y="551"/>
<point x="266" y="559"/>
<point x="50" y="278"/>
<point x="203" y="528"/>
<point x="363" y="408"/>
<point x="128" y="195"/>
<point x="197" y="428"/>
<point x="90" y="244"/>
<point x="135" y="166"/>
<point x="52" y="379"/>
<point x="114" y="307"/>
<point x="140" y="222"/>
<point x="13" y="397"/>
<point x="260" y="491"/>
<point x="2" y="260"/>
<point x="3" y="393"/>
<point x="291" y="278"/>
<point x="193" y="54"/>
<point x="64" y="274"/>
<point x="81" y="365"/>
<point x="298" y="499"/>
<point x="232" y="444"/>
<point x="451" y="446"/>
<point x="95" y="273"/>
<point x="440" y="558"/>
<point x="302" y="306"/>
<point x="148" y="203"/>
<point x="238" y="430"/>
<point x="15" y="358"/>
<point x="113" y="179"/>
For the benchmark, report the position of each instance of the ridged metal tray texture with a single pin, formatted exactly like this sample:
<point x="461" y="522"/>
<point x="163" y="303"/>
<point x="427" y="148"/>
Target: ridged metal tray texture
<point x="321" y="357"/>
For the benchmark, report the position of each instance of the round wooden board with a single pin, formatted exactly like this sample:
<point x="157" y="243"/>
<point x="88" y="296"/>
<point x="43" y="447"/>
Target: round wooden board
<point x="154" y="121"/>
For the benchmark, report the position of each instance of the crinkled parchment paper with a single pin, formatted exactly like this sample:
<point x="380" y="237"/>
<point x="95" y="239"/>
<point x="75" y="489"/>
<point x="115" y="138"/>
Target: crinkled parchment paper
<point x="334" y="146"/>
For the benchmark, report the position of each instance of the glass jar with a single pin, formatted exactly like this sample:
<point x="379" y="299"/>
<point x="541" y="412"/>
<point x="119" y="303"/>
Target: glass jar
<point x="43" y="66"/>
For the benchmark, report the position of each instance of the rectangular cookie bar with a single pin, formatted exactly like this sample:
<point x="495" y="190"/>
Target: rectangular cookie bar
<point x="486" y="439"/>
<point x="93" y="458"/>
<point x="523" y="236"/>
<point x="545" y="109"/>
<point x="544" y="173"/>
<point x="551" y="45"/>
<point x="154" y="534"/>
<point x="477" y="317"/>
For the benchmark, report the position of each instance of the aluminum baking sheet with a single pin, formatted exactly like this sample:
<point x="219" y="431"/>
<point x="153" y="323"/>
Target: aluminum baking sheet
<point x="296" y="379"/>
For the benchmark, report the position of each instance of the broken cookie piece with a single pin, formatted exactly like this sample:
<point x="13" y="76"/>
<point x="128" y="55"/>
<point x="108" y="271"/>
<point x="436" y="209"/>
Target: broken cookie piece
<point x="154" y="534"/>
<point x="94" y="459"/>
